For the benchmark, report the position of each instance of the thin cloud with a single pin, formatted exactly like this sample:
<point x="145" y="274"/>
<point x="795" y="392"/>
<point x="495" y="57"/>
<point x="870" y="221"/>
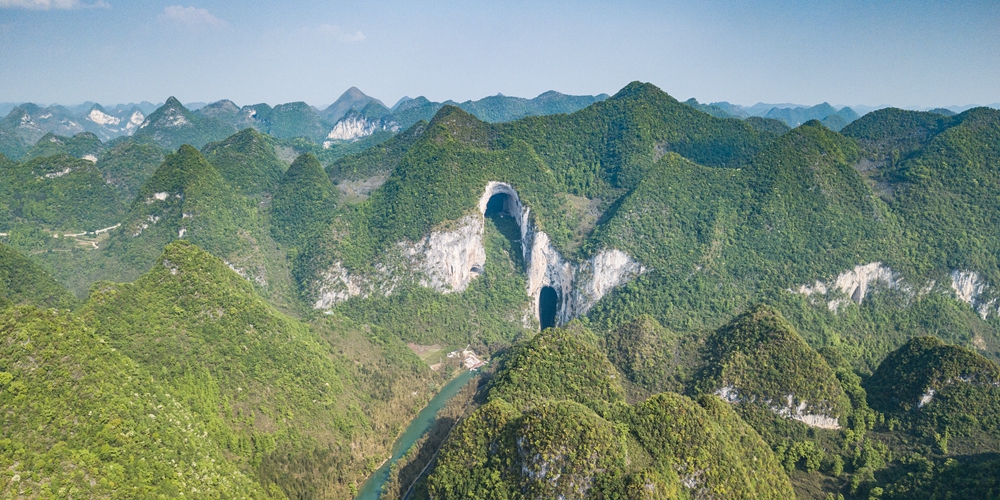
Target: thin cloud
<point x="330" y="31"/>
<point x="52" y="4"/>
<point x="191" y="16"/>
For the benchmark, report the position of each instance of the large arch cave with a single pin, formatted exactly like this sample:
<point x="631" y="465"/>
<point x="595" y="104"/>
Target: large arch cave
<point x="502" y="210"/>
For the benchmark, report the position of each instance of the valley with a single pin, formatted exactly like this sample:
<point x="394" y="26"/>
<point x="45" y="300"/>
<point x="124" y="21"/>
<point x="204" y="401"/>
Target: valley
<point x="627" y="296"/>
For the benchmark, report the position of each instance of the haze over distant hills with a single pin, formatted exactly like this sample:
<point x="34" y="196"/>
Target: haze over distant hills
<point x="678" y="299"/>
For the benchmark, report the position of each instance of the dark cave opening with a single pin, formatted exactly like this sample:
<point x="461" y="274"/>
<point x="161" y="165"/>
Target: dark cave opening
<point x="548" y="305"/>
<point x="500" y="209"/>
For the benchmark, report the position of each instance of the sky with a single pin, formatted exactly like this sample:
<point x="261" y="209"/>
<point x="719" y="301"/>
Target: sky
<point x="912" y="53"/>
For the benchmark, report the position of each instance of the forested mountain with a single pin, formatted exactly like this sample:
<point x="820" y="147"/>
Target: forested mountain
<point x="362" y="120"/>
<point x="172" y="125"/>
<point x="247" y="161"/>
<point x="22" y="282"/>
<point x="677" y="303"/>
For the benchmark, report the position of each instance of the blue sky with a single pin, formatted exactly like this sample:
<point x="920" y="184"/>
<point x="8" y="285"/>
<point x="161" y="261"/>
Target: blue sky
<point x="906" y="53"/>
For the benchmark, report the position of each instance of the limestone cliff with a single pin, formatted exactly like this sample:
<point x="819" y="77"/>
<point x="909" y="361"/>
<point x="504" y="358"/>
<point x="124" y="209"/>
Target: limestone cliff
<point x="448" y="261"/>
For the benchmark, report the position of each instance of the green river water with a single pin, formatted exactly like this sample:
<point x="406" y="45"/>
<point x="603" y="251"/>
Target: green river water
<point x="372" y="487"/>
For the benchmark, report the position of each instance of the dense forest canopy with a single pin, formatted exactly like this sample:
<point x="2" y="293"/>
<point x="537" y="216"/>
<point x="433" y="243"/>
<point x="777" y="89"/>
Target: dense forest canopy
<point x="229" y="303"/>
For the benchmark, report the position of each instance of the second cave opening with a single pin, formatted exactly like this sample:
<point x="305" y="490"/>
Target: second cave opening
<point x="548" y="305"/>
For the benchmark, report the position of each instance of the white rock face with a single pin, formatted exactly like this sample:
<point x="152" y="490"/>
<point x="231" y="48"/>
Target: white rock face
<point x="969" y="288"/>
<point x="925" y="398"/>
<point x="90" y="158"/>
<point x="171" y="118"/>
<point x="854" y="283"/>
<point x="58" y="174"/>
<point x="338" y="286"/>
<point x="351" y="128"/>
<point x="101" y="118"/>
<point x="134" y="122"/>
<point x="450" y="260"/>
<point x="599" y="275"/>
<point x="787" y="408"/>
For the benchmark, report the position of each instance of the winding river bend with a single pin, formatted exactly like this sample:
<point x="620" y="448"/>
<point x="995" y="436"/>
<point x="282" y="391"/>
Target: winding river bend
<point x="372" y="487"/>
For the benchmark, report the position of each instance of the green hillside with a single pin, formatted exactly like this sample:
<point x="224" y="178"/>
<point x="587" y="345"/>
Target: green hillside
<point x="652" y="357"/>
<point x="561" y="364"/>
<point x="425" y="188"/>
<point x="218" y="394"/>
<point x="247" y="161"/>
<point x="78" y="146"/>
<point x="23" y="282"/>
<point x="556" y="425"/>
<point x="304" y="202"/>
<point x="296" y="119"/>
<point x="82" y="419"/>
<point x="11" y="144"/>
<point x="172" y="125"/>
<point x="127" y="165"/>
<point x="803" y="312"/>
<point x="940" y="386"/>
<point x="265" y="386"/>
<point x="759" y="358"/>
<point x="187" y="198"/>
<point x="946" y="194"/>
<point x="60" y="193"/>
<point x="717" y="237"/>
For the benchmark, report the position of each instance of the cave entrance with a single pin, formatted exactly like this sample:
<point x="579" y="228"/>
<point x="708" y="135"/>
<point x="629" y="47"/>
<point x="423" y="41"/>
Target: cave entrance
<point x="502" y="210"/>
<point x="548" y="305"/>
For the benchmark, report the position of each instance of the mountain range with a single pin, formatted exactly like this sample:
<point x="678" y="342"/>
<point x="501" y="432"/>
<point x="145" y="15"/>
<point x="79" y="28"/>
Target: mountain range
<point x="676" y="302"/>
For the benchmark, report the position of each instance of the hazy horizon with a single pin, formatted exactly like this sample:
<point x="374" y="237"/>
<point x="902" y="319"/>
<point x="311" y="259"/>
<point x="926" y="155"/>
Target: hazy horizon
<point x="850" y="52"/>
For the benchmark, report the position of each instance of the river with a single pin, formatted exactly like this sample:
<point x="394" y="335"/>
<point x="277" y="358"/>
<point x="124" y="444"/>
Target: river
<point x="372" y="487"/>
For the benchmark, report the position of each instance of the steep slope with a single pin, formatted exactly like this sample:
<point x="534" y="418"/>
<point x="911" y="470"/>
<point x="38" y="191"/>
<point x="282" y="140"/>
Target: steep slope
<point x="224" y="110"/>
<point x="84" y="145"/>
<point x="59" y="193"/>
<point x="940" y="386"/>
<point x="610" y="145"/>
<point x="759" y="358"/>
<point x="89" y="421"/>
<point x="22" y="282"/>
<point x="30" y="122"/>
<point x="247" y="161"/>
<point x="581" y="441"/>
<point x="126" y="165"/>
<point x="304" y="203"/>
<point x="187" y="198"/>
<point x="591" y="152"/>
<point x="352" y="98"/>
<point x="11" y="144"/>
<point x="109" y="125"/>
<point x="172" y="125"/>
<point x="377" y="161"/>
<point x="561" y="364"/>
<point x="301" y="407"/>
<point x="893" y="133"/>
<point x="652" y="357"/>
<point x="947" y="193"/>
<point x="716" y="237"/>
<point x="296" y="119"/>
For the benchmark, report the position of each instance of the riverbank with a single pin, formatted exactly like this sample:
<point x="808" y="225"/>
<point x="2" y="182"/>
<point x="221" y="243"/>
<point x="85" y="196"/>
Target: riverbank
<point x="415" y="430"/>
<point x="411" y="467"/>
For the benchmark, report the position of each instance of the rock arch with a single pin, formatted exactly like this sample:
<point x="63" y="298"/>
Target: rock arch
<point x="450" y="260"/>
<point x="511" y="206"/>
